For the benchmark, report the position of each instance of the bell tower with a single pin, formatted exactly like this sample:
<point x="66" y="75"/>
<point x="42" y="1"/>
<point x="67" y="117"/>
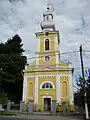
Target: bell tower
<point x="48" y="41"/>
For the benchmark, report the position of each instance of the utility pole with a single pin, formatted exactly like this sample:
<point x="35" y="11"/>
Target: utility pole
<point x="85" y="93"/>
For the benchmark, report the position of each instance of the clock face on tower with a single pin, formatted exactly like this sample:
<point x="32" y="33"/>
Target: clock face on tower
<point x="47" y="58"/>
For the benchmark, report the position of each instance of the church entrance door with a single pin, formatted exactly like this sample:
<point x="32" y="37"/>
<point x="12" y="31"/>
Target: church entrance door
<point x="47" y="104"/>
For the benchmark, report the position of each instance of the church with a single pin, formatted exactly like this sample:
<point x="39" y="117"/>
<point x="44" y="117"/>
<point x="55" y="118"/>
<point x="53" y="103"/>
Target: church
<point x="48" y="78"/>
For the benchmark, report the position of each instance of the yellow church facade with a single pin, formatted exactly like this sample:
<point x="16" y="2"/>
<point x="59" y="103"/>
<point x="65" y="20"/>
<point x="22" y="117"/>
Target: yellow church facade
<point x="48" y="78"/>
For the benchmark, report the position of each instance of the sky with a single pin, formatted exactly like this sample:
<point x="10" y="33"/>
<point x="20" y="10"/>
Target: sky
<point x="72" y="19"/>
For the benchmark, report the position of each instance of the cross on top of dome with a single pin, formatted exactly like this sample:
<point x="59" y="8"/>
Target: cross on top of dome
<point x="48" y="7"/>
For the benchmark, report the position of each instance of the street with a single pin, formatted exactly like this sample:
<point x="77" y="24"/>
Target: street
<point x="39" y="117"/>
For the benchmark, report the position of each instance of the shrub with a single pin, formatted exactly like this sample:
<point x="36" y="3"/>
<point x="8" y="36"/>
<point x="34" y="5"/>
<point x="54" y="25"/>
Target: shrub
<point x="72" y="108"/>
<point x="3" y="98"/>
<point x="59" y="108"/>
<point x="39" y="110"/>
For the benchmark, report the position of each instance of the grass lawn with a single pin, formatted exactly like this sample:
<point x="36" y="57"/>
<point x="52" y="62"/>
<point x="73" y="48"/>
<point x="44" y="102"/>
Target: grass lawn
<point x="6" y="114"/>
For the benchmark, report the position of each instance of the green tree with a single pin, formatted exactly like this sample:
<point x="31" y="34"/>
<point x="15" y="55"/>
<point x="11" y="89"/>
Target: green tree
<point x="79" y="96"/>
<point x="12" y="62"/>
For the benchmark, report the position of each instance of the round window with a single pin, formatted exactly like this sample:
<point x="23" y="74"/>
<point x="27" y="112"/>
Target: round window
<point x="47" y="58"/>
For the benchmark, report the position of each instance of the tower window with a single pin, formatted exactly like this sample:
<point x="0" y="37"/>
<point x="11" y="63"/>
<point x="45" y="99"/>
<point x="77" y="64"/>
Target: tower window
<point x="47" y="44"/>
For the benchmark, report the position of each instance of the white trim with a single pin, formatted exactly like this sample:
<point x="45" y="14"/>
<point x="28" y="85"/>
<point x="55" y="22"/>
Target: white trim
<point x="38" y="50"/>
<point x="24" y="97"/>
<point x="38" y="44"/>
<point x="56" y="49"/>
<point x="37" y="60"/>
<point x="47" y="82"/>
<point x="23" y="94"/>
<point x="71" y="95"/>
<point x="50" y="67"/>
<point x="32" y="76"/>
<point x="57" y="60"/>
<point x="56" y="43"/>
<point x="58" y="97"/>
<point x="61" y="88"/>
<point x="36" y="90"/>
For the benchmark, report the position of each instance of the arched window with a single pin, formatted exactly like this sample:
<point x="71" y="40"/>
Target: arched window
<point x="64" y="88"/>
<point x="47" y="86"/>
<point x="47" y="44"/>
<point x="30" y="89"/>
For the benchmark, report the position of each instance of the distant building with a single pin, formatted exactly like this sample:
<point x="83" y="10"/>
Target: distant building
<point x="48" y="78"/>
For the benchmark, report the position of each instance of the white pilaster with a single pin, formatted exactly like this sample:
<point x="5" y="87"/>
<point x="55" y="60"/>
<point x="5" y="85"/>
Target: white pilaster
<point x="57" y="60"/>
<point x="36" y="90"/>
<point x="37" y="60"/>
<point x="38" y="50"/>
<point x="24" y="96"/>
<point x="38" y="44"/>
<point x="71" y="95"/>
<point x="56" y="44"/>
<point x="58" y="96"/>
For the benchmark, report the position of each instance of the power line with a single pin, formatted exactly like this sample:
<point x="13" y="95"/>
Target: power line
<point x="53" y="54"/>
<point x="86" y="50"/>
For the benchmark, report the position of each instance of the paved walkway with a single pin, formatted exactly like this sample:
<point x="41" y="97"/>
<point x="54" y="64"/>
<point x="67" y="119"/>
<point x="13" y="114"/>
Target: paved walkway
<point x="39" y="117"/>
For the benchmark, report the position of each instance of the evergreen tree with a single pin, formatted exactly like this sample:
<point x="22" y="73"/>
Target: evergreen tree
<point x="12" y="62"/>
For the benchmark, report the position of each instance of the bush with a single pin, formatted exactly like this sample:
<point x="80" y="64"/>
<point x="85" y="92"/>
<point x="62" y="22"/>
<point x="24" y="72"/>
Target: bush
<point x="59" y="108"/>
<point x="72" y="108"/>
<point x="3" y="98"/>
<point x="39" y="110"/>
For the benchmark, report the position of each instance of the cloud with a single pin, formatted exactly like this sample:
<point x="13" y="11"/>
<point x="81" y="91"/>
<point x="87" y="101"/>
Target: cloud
<point x="24" y="17"/>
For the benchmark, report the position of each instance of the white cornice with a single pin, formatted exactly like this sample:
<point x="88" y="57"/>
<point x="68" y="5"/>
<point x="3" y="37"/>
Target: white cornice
<point x="55" y="70"/>
<point x="33" y="76"/>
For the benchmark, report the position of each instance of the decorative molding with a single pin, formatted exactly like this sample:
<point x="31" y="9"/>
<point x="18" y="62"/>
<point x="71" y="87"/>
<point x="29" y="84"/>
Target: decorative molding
<point x="30" y="82"/>
<point x="44" y="76"/>
<point x="51" y="68"/>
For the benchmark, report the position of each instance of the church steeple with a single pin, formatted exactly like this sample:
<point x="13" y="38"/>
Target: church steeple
<point x="48" y="22"/>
